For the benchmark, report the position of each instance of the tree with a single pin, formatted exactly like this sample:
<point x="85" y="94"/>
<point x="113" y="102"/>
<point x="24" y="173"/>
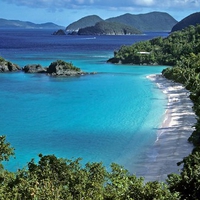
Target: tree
<point x="5" y="150"/>
<point x="187" y="184"/>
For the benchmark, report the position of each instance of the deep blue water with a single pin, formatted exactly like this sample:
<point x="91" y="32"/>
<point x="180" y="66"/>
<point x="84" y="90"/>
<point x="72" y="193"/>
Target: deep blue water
<point x="111" y="116"/>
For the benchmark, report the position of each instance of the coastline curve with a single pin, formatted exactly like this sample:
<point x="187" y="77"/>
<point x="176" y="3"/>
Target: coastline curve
<point x="171" y="145"/>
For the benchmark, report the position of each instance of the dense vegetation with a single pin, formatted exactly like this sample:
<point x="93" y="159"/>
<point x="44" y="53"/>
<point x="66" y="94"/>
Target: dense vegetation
<point x="192" y="19"/>
<point x="64" y="65"/>
<point x="161" y="51"/>
<point x="57" y="178"/>
<point x="108" y="28"/>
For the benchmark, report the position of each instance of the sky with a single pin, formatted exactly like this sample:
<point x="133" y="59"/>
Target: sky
<point x="64" y="12"/>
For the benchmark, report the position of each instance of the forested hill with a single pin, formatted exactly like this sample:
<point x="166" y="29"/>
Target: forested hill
<point x="192" y="19"/>
<point x="90" y="20"/>
<point x="108" y="28"/>
<point x="161" y="51"/>
<point x="154" y="21"/>
<point x="4" y="23"/>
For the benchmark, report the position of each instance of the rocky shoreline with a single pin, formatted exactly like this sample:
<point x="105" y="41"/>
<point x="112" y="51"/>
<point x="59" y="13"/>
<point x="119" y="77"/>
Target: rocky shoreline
<point x="57" y="68"/>
<point x="6" y="66"/>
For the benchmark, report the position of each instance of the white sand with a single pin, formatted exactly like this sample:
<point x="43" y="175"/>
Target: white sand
<point x="172" y="137"/>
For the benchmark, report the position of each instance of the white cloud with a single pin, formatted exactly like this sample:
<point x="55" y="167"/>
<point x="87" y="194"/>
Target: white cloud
<point x="119" y="5"/>
<point x="145" y="2"/>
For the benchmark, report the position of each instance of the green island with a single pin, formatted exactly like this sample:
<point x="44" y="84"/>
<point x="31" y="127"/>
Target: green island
<point x="108" y="28"/>
<point x="58" y="178"/>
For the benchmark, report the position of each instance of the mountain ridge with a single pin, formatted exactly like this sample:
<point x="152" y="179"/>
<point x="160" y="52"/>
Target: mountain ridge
<point x="6" y="23"/>
<point x="153" y="21"/>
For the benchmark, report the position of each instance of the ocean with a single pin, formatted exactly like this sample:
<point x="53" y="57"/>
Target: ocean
<point x="112" y="116"/>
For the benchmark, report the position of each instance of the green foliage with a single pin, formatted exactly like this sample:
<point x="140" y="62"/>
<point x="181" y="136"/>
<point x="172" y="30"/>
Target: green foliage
<point x="161" y="51"/>
<point x="55" y="178"/>
<point x="2" y="59"/>
<point x="64" y="65"/>
<point x="187" y="184"/>
<point x="5" y="149"/>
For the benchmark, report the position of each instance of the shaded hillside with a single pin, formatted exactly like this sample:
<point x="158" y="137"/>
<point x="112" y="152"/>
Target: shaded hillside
<point x="4" y="23"/>
<point x="192" y="19"/>
<point x="154" y="21"/>
<point x="90" y="20"/>
<point x="108" y="28"/>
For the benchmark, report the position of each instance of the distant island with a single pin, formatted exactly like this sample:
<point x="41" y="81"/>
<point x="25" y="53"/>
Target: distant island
<point x="154" y="21"/>
<point x="108" y="28"/>
<point x="4" y="23"/>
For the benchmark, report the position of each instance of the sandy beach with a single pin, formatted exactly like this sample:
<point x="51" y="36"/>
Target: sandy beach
<point x="172" y="137"/>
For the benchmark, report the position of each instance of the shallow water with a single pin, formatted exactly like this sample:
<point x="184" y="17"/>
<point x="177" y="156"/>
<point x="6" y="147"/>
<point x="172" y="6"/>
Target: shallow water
<point x="111" y="116"/>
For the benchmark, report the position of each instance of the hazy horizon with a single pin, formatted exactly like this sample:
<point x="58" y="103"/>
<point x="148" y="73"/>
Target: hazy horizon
<point x="64" y="12"/>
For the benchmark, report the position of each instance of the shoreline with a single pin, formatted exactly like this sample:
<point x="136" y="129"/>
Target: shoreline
<point x="171" y="145"/>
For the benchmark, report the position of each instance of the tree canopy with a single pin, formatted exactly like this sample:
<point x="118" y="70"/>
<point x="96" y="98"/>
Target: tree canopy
<point x="61" y="179"/>
<point x="161" y="51"/>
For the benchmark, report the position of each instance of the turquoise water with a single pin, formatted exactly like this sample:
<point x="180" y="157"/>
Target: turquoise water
<point x="111" y="116"/>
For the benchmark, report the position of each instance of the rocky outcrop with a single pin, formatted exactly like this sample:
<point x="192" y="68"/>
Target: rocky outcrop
<point x="6" y="66"/>
<point x="62" y="68"/>
<point x="59" y="32"/>
<point x="34" y="69"/>
<point x="57" y="68"/>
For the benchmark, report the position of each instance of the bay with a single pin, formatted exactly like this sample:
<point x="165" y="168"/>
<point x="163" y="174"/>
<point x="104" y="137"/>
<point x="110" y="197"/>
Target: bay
<point x="110" y="117"/>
